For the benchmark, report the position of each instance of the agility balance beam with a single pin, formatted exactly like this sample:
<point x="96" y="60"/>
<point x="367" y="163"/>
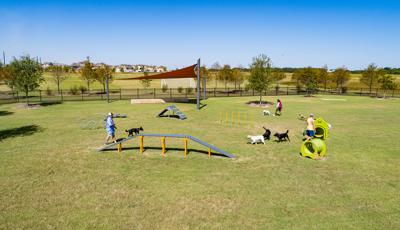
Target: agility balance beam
<point x="163" y="146"/>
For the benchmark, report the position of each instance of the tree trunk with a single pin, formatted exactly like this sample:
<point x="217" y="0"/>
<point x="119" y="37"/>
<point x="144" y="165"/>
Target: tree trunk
<point x="58" y="86"/>
<point x="260" y="97"/>
<point x="88" y="84"/>
<point x="26" y="97"/>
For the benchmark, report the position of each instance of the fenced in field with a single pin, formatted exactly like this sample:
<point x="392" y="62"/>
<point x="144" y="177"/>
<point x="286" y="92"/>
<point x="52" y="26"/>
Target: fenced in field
<point x="51" y="175"/>
<point x="140" y="93"/>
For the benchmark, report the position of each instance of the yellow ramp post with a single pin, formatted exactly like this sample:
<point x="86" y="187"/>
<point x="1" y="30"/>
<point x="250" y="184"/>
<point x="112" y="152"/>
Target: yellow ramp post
<point x="185" y="141"/>
<point x="163" y="146"/>
<point x="141" y="144"/>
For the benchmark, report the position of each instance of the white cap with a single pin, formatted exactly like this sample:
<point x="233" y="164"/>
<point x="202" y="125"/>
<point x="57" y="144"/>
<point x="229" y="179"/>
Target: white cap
<point x="110" y="114"/>
<point x="311" y="115"/>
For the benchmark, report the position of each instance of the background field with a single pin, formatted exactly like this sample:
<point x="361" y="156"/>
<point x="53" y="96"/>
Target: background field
<point x="73" y="79"/>
<point x="52" y="177"/>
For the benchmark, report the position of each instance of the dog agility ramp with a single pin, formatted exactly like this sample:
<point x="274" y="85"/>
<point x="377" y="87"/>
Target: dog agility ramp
<point x="175" y="111"/>
<point x="218" y="150"/>
<point x="104" y="147"/>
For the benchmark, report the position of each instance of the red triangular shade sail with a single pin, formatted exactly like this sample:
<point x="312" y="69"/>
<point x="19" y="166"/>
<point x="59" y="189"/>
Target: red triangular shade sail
<point x="187" y="72"/>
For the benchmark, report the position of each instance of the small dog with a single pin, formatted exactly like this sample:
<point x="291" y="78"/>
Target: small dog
<point x="266" y="113"/>
<point x="135" y="131"/>
<point x="267" y="133"/>
<point x="282" y="136"/>
<point x="256" y="139"/>
<point x="301" y="117"/>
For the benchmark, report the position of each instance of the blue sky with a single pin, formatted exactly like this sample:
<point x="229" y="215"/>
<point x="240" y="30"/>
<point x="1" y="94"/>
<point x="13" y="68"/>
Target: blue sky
<point x="175" y="33"/>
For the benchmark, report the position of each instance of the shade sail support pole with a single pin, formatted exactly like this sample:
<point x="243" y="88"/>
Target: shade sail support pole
<point x="198" y="84"/>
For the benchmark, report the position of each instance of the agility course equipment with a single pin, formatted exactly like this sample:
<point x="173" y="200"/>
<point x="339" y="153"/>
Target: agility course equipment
<point x="313" y="148"/>
<point x="316" y="147"/>
<point x="175" y="111"/>
<point x="162" y="137"/>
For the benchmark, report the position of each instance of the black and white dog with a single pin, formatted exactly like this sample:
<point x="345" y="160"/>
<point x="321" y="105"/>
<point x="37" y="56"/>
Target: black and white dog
<point x="135" y="131"/>
<point x="267" y="133"/>
<point x="282" y="136"/>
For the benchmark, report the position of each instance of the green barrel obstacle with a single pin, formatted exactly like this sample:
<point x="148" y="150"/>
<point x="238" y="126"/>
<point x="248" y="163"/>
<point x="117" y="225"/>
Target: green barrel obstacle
<point x="316" y="147"/>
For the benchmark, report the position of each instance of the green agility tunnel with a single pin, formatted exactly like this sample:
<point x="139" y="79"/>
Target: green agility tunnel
<point x="313" y="148"/>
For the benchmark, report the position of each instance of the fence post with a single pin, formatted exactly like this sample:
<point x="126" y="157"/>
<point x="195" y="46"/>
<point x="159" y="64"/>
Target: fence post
<point x="360" y="91"/>
<point x="62" y="98"/>
<point x="170" y="93"/>
<point x="393" y="93"/>
<point x="40" y="95"/>
<point x="253" y="92"/>
<point x="228" y="91"/>
<point x="154" y="92"/>
<point x="186" y="92"/>
<point x="287" y="90"/>
<point x="17" y="97"/>
<point x="81" y="94"/>
<point x="241" y="92"/>
<point x="215" y="95"/>
<point x="137" y="93"/>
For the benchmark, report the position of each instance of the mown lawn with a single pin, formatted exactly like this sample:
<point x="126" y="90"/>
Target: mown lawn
<point x="52" y="177"/>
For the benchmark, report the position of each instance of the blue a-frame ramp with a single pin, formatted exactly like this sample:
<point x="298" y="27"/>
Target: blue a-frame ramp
<point x="218" y="150"/>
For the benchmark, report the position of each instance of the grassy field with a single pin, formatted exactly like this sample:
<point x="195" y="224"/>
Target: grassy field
<point x="52" y="177"/>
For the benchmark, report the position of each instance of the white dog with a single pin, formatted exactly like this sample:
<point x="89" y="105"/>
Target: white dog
<point x="256" y="139"/>
<point x="266" y="113"/>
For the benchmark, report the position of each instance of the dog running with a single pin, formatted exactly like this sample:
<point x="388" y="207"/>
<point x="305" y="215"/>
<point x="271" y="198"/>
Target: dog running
<point x="135" y="131"/>
<point x="282" y="136"/>
<point x="267" y="134"/>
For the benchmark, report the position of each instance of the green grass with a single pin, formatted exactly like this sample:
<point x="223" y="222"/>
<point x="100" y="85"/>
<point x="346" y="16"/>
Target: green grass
<point x="52" y="177"/>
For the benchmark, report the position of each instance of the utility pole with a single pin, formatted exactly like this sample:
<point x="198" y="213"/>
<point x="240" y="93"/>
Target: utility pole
<point x="198" y="84"/>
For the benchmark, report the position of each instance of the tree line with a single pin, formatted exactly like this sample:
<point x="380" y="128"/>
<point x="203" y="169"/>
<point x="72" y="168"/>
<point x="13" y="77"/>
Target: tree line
<point x="25" y="74"/>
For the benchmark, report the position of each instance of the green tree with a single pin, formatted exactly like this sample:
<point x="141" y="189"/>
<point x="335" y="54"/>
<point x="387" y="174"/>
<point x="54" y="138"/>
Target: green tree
<point x="26" y="74"/>
<point x="341" y="76"/>
<point x="237" y="76"/>
<point x="102" y="73"/>
<point x="387" y="82"/>
<point x="145" y="82"/>
<point x="58" y="74"/>
<point x="277" y="76"/>
<point x="204" y="73"/>
<point x="225" y="74"/>
<point x="371" y="75"/>
<point x="88" y="74"/>
<point x="215" y="68"/>
<point x="260" y="74"/>
<point x="323" y="76"/>
<point x="307" y="77"/>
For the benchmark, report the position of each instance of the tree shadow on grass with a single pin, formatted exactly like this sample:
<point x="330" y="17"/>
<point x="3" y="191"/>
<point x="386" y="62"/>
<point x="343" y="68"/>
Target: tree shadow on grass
<point x="20" y="131"/>
<point x="5" y="113"/>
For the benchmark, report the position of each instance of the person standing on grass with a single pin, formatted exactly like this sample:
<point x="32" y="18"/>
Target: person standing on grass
<point x="278" y="110"/>
<point x="110" y="128"/>
<point x="310" y="131"/>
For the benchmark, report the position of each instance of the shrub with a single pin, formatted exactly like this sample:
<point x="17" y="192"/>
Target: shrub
<point x="180" y="89"/>
<point x="49" y="92"/>
<point x="74" y="90"/>
<point x="189" y="90"/>
<point x="164" y="88"/>
<point x="82" y="89"/>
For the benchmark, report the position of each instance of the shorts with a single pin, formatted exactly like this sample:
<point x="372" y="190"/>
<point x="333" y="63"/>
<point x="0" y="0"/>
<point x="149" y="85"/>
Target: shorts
<point x="310" y="133"/>
<point x="111" y="131"/>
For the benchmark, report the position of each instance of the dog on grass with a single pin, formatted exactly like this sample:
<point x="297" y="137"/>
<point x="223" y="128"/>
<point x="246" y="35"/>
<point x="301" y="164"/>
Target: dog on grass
<point x="282" y="136"/>
<point x="135" y="131"/>
<point x="256" y="139"/>
<point x="266" y="113"/>
<point x="267" y="133"/>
